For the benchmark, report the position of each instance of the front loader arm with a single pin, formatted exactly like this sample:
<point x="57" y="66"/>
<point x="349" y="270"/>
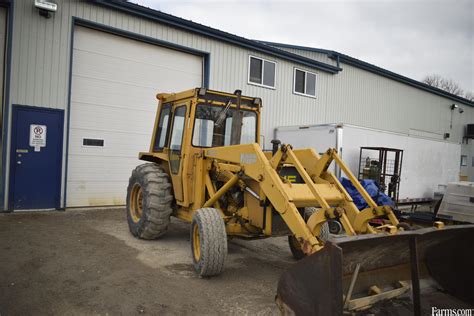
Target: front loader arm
<point x="256" y="166"/>
<point x="252" y="162"/>
<point x="318" y="167"/>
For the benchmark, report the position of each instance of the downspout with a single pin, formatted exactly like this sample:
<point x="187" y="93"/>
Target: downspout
<point x="335" y="55"/>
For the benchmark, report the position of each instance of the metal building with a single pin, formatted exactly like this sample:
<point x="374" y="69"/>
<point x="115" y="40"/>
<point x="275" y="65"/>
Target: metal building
<point x="79" y="85"/>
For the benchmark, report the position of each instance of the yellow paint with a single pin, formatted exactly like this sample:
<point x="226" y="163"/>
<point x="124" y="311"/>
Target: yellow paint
<point x="196" y="243"/>
<point x="213" y="177"/>
<point x="136" y="203"/>
<point x="290" y="178"/>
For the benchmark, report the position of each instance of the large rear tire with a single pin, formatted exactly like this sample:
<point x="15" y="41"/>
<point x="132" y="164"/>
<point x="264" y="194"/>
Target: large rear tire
<point x="149" y="201"/>
<point x="208" y="242"/>
<point x="294" y="244"/>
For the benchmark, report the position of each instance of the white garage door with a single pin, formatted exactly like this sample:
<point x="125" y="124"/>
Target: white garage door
<point x="114" y="83"/>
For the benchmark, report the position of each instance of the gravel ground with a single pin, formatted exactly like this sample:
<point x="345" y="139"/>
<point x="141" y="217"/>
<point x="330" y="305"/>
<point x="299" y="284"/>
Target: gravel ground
<point x="87" y="262"/>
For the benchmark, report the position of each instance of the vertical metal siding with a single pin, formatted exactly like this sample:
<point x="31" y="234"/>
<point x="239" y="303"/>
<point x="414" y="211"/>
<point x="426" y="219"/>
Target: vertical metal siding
<point x="362" y="98"/>
<point x="41" y="66"/>
<point x="41" y="70"/>
<point x="3" y="39"/>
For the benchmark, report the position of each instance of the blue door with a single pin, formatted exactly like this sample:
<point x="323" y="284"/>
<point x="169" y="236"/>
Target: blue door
<point x="35" y="158"/>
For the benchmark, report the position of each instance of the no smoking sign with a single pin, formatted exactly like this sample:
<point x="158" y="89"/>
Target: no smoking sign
<point x="37" y="136"/>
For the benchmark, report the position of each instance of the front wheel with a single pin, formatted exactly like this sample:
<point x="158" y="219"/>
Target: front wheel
<point x="208" y="242"/>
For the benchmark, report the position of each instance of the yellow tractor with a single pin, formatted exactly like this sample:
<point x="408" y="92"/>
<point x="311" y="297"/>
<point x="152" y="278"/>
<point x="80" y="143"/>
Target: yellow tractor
<point x="206" y="166"/>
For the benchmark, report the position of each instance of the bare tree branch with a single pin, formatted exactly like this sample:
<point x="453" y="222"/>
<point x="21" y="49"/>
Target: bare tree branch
<point x="432" y="80"/>
<point x="445" y="84"/>
<point x="469" y="96"/>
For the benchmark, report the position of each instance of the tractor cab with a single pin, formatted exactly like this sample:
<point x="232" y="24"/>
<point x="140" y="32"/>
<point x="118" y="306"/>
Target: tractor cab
<point x="216" y="119"/>
<point x="192" y="121"/>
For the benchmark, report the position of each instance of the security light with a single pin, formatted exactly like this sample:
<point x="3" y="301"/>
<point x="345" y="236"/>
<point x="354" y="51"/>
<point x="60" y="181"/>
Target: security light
<point x="454" y="107"/>
<point x="46" y="7"/>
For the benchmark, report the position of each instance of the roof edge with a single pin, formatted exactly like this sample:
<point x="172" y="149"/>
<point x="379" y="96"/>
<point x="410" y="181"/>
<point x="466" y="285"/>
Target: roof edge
<point x="310" y="49"/>
<point x="194" y="27"/>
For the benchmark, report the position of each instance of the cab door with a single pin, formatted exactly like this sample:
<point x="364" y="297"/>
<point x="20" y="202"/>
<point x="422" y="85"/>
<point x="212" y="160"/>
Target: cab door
<point x="176" y="150"/>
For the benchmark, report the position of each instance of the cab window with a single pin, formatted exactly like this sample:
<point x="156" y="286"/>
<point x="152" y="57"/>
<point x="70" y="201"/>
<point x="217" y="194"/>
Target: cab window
<point x="177" y="138"/>
<point x="213" y="126"/>
<point x="162" y="129"/>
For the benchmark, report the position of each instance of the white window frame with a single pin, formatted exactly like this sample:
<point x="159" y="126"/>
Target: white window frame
<point x="305" y="74"/>
<point x="263" y="72"/>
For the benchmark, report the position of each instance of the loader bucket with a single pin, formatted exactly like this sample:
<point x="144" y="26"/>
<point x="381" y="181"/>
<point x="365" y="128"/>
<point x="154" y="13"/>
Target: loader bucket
<point x="356" y="272"/>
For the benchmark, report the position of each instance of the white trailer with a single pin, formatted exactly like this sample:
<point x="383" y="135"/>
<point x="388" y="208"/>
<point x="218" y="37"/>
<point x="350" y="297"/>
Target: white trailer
<point x="427" y="163"/>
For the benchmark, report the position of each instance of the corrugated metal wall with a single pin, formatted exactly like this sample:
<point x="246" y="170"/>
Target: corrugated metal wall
<point x="41" y="65"/>
<point x="468" y="150"/>
<point x="41" y="61"/>
<point x="363" y="98"/>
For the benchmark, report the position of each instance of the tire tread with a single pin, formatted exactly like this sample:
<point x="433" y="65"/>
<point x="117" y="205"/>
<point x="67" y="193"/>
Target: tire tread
<point x="157" y="198"/>
<point x="213" y="242"/>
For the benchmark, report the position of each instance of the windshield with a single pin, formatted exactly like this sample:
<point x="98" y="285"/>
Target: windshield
<point x="213" y="126"/>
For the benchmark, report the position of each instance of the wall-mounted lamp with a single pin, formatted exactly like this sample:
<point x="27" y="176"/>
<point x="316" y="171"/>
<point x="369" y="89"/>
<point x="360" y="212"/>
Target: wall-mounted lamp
<point x="46" y="7"/>
<point x="453" y="107"/>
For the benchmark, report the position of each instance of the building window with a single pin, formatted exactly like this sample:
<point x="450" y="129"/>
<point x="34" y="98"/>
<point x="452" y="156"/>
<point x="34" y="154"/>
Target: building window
<point x="304" y="83"/>
<point x="262" y="72"/>
<point x="463" y="160"/>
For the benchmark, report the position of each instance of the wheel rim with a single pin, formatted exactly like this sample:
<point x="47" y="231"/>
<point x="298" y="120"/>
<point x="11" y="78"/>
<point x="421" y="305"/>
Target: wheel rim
<point x="136" y="203"/>
<point x="334" y="227"/>
<point x="196" y="243"/>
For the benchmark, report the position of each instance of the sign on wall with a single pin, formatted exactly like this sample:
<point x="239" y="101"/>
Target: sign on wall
<point x="37" y="136"/>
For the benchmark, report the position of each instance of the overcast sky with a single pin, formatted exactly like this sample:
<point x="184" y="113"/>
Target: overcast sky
<point x="412" y="38"/>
